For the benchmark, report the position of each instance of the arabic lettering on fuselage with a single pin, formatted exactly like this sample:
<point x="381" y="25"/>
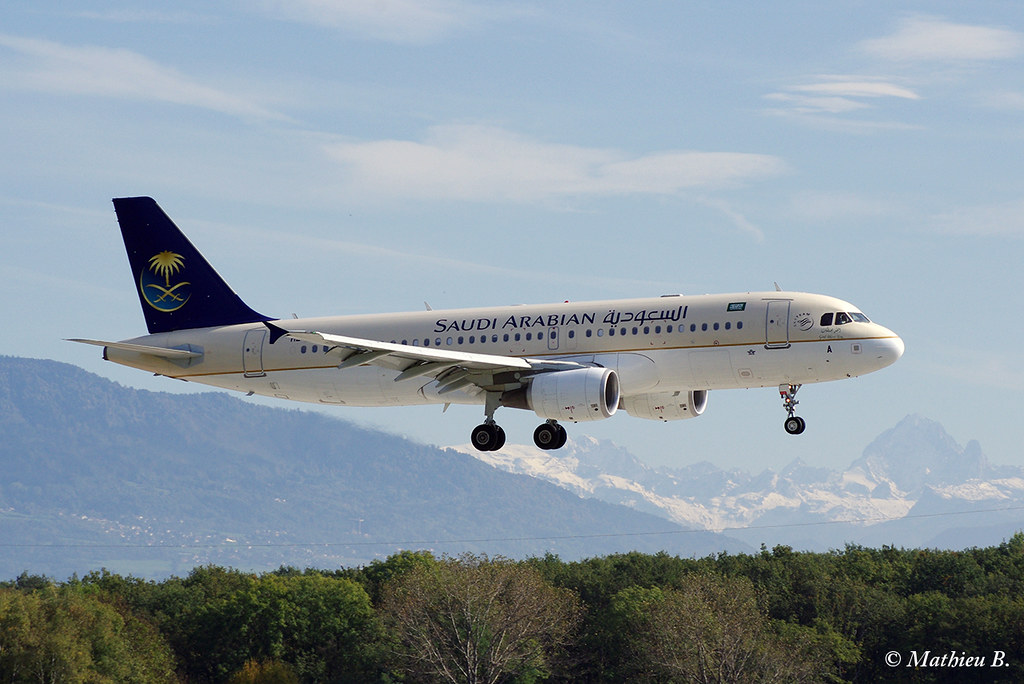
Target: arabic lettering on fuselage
<point x="613" y="317"/>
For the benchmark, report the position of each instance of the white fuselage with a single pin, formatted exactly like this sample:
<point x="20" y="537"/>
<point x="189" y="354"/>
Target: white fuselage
<point x="655" y="345"/>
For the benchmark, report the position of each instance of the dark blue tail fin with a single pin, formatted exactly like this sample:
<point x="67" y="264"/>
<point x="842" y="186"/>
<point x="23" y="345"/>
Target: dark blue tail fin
<point x="177" y="287"/>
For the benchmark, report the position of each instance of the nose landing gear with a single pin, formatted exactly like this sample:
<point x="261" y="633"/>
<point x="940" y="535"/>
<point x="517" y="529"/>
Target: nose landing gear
<point x="794" y="424"/>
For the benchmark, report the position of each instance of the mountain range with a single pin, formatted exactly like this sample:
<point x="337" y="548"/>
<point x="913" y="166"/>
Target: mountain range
<point x="913" y="486"/>
<point x="94" y="474"/>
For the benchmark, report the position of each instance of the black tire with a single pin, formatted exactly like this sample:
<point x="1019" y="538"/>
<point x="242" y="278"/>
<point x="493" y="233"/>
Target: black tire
<point x="484" y="437"/>
<point x="795" y="425"/>
<point x="546" y="436"/>
<point x="562" y="437"/>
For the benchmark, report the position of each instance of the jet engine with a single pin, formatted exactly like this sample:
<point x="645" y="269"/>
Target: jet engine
<point x="667" y="405"/>
<point x="573" y="395"/>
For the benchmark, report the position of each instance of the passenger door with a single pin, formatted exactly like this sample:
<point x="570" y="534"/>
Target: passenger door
<point x="776" y="324"/>
<point x="252" y="353"/>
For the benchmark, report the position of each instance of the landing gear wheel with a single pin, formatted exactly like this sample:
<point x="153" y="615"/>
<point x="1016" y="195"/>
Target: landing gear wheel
<point x="549" y="436"/>
<point x="795" y="425"/>
<point x="488" y="437"/>
<point x="562" y="437"/>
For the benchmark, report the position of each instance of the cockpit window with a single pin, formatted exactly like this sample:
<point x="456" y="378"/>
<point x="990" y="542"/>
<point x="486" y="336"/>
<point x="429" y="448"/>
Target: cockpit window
<point x="842" y="317"/>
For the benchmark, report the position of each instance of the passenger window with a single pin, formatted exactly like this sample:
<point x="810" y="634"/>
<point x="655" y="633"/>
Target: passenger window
<point x="842" y="317"/>
<point x="529" y="336"/>
<point x="739" y="325"/>
<point x="303" y="350"/>
<point x="826" y="320"/>
<point x="448" y="341"/>
<point x="716" y="326"/>
<point x="314" y="349"/>
<point x="519" y="336"/>
<point x="728" y="325"/>
<point x="505" y="339"/>
<point x="572" y="334"/>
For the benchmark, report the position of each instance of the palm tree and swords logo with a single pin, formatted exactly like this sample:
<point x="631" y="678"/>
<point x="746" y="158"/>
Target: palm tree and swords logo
<point x="155" y="282"/>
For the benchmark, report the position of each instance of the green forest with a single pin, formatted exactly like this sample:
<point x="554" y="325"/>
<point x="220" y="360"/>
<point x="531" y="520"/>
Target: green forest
<point x="850" y="615"/>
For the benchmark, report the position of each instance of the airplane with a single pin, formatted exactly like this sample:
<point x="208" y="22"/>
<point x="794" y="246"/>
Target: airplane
<point x="655" y="358"/>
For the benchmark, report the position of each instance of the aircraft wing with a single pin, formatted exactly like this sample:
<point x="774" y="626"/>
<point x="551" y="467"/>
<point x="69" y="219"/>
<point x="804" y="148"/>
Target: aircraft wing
<point x="453" y="369"/>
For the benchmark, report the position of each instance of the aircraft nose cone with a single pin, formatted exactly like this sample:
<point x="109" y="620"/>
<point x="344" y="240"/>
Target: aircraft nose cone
<point x="890" y="349"/>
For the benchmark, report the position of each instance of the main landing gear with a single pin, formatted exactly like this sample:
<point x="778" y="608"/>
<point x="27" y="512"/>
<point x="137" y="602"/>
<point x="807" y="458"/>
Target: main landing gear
<point x="488" y="436"/>
<point x="794" y="424"/>
<point x="550" y="435"/>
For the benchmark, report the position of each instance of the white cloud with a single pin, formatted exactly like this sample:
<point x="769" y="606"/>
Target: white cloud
<point x="399" y="21"/>
<point x="803" y="104"/>
<point x="93" y="70"/>
<point x="839" y="94"/>
<point x="857" y="89"/>
<point x="930" y="39"/>
<point x="482" y="163"/>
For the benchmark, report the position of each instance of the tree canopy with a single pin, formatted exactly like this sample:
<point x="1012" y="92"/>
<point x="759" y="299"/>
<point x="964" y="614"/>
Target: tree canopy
<point x="776" y="615"/>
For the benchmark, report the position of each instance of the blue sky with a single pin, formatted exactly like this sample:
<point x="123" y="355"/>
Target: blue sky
<point x="350" y="157"/>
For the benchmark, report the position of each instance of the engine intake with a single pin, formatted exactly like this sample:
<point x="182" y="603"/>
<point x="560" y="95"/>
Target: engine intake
<point x="578" y="395"/>
<point x="667" y="405"/>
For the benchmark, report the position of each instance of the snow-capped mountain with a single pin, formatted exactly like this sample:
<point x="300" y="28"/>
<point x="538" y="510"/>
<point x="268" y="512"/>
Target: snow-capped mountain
<point x="913" y="485"/>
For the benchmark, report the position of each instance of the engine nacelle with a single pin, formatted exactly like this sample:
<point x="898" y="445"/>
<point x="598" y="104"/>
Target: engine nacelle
<point x="667" y="405"/>
<point x="573" y="395"/>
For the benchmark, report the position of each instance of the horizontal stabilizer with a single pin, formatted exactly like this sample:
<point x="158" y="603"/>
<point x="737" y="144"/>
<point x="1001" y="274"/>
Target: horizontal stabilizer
<point x="162" y="352"/>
